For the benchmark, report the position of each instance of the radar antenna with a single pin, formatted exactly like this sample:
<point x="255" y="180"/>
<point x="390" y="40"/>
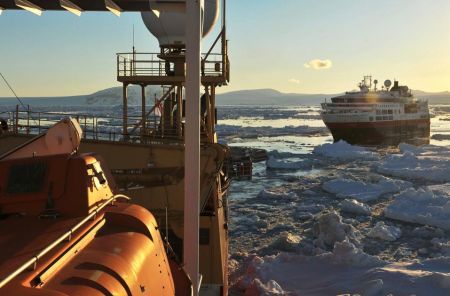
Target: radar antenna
<point x="387" y="84"/>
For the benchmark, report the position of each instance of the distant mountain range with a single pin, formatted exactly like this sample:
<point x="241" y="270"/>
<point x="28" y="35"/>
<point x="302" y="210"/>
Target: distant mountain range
<point x="113" y="96"/>
<point x="269" y="97"/>
<point x="274" y="97"/>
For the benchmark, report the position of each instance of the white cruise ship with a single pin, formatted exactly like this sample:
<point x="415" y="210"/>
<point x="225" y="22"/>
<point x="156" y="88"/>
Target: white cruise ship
<point x="370" y="116"/>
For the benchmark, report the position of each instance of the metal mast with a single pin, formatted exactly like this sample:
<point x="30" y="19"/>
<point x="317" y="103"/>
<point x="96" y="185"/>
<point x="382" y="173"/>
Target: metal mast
<point x="192" y="142"/>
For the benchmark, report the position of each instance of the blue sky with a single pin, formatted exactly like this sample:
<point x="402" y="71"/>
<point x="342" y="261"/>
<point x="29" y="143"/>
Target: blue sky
<point x="271" y="43"/>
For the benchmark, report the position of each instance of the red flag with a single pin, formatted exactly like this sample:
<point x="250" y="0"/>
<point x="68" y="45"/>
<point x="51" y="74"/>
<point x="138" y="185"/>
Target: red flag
<point x="158" y="109"/>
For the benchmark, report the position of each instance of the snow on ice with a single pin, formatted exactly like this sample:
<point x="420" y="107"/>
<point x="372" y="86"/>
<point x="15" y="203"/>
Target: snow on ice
<point x="355" y="207"/>
<point x="345" y="270"/>
<point x="330" y="229"/>
<point x="321" y="237"/>
<point x="267" y="131"/>
<point x="428" y="206"/>
<point x="267" y="194"/>
<point x="427" y="163"/>
<point x="385" y="232"/>
<point x="362" y="191"/>
<point x="343" y="151"/>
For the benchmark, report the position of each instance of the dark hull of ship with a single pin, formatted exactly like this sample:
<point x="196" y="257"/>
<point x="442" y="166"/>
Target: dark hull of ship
<point x="382" y="132"/>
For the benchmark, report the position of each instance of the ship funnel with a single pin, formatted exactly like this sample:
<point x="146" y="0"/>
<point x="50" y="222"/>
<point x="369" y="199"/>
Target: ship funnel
<point x="167" y="21"/>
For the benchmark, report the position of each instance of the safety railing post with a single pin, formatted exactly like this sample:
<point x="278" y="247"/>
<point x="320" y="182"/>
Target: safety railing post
<point x="93" y="128"/>
<point x="117" y="64"/>
<point x="131" y="67"/>
<point x="84" y="132"/>
<point x="96" y="128"/>
<point x="17" y="119"/>
<point x="39" y="122"/>
<point x="28" y="119"/>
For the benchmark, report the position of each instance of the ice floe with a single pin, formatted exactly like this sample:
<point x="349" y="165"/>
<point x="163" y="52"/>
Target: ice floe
<point x="330" y="229"/>
<point x="427" y="163"/>
<point x="424" y="150"/>
<point x="355" y="207"/>
<point x="271" y="194"/>
<point x="284" y="242"/>
<point x="427" y="232"/>
<point x="268" y="131"/>
<point x="385" y="232"/>
<point x="427" y="206"/>
<point x="305" y="247"/>
<point x="442" y="245"/>
<point x="343" y="151"/>
<point x="345" y="270"/>
<point x="364" y="191"/>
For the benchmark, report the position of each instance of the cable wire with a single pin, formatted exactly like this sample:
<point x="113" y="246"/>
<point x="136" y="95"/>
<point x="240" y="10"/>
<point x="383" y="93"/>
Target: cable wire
<point x="12" y="90"/>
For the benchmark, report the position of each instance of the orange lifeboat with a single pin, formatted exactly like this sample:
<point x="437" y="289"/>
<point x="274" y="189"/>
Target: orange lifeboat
<point x="65" y="230"/>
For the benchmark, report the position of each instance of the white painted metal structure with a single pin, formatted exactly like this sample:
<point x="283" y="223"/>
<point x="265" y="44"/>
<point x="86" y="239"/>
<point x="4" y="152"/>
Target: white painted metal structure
<point x="168" y="23"/>
<point x="178" y="23"/>
<point x="192" y="142"/>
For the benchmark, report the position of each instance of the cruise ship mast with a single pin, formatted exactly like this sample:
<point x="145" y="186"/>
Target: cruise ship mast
<point x="192" y="80"/>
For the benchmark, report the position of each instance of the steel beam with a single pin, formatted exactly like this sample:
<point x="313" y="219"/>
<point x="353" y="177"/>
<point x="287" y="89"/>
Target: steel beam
<point x="192" y="143"/>
<point x="27" y="5"/>
<point x="113" y="7"/>
<point x="144" y="114"/>
<point x="125" y="111"/>
<point x="71" y="7"/>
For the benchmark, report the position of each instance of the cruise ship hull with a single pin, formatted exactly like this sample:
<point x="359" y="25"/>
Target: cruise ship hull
<point x="381" y="132"/>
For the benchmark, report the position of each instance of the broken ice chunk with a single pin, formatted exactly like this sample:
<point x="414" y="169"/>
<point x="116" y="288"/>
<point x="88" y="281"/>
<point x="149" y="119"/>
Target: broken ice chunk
<point x="385" y="232"/>
<point x="355" y="207"/>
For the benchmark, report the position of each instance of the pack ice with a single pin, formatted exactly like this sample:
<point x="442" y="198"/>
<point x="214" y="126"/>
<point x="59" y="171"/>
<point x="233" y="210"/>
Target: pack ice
<point x="343" y="151"/>
<point x="346" y="270"/>
<point x="428" y="206"/>
<point x="364" y="191"/>
<point x="427" y="163"/>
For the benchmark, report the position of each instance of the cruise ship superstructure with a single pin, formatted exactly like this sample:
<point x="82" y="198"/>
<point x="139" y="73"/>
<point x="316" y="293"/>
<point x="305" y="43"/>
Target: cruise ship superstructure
<point x="372" y="116"/>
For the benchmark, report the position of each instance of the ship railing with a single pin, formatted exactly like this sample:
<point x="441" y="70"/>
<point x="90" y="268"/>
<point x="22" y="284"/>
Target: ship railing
<point x="150" y="64"/>
<point x="31" y="263"/>
<point x="98" y="128"/>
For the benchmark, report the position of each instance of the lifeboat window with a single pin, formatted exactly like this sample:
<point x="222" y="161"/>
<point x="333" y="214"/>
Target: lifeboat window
<point x="97" y="175"/>
<point x="26" y="178"/>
